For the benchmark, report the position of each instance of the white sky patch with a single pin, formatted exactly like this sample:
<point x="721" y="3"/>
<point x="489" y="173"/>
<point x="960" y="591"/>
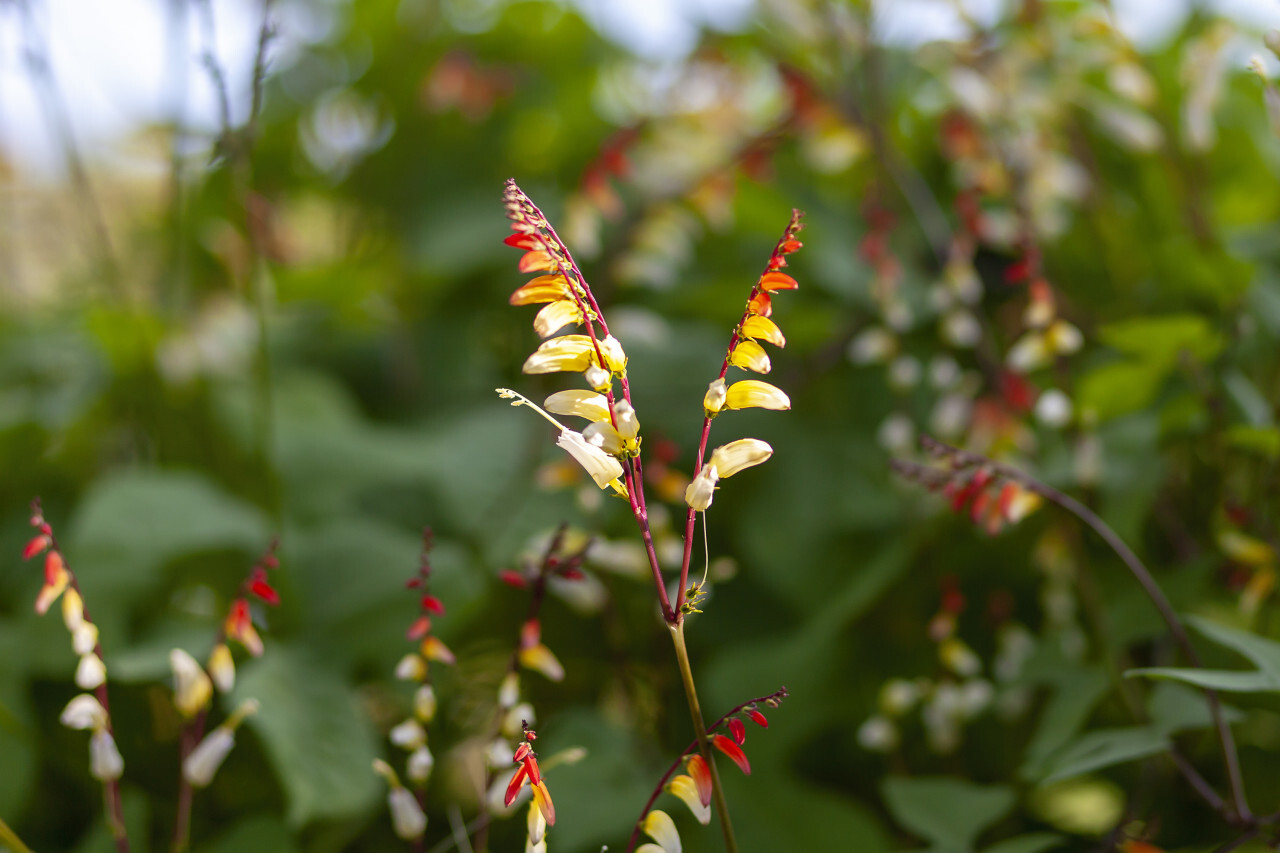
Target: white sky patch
<point x="119" y="65"/>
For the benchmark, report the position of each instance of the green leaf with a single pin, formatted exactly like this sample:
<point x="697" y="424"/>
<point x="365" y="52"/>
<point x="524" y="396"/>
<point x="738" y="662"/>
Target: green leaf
<point x="1174" y="708"/>
<point x="1248" y="399"/>
<point x="949" y="813"/>
<point x="319" y="740"/>
<point x="1119" y="388"/>
<point x="129" y="525"/>
<point x="259" y="834"/>
<point x="1162" y="339"/>
<point x="1228" y="681"/>
<point x="1076" y="691"/>
<point x="1103" y="748"/>
<point x="1263" y="652"/>
<point x="1033" y="843"/>
<point x="1265" y="441"/>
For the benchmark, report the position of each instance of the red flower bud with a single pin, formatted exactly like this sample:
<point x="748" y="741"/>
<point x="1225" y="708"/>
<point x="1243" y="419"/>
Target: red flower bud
<point x="433" y="604"/>
<point x="511" y="578"/>
<point x="732" y="750"/>
<point x="758" y="718"/>
<point x="419" y="628"/>
<point x="264" y="591"/>
<point x="513" y="787"/>
<point x="738" y="730"/>
<point x="35" y="546"/>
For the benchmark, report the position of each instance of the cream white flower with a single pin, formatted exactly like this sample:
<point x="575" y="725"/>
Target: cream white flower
<point x="713" y="402"/>
<point x="84" y="712"/>
<point x="602" y="467"/>
<point x="204" y="761"/>
<point x="699" y="493"/>
<point x="192" y="688"/>
<point x="424" y="703"/>
<point x="733" y="457"/>
<point x="411" y="668"/>
<point x="90" y="672"/>
<point x="407" y="817"/>
<point x="409" y="735"/>
<point x="84" y="637"/>
<point x="419" y="766"/>
<point x="105" y="761"/>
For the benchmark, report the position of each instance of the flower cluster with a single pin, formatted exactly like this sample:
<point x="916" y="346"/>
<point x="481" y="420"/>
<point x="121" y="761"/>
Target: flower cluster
<point x="407" y="815"/>
<point x="542" y="812"/>
<point x="239" y="622"/>
<point x="87" y="711"/>
<point x="746" y="353"/>
<point x="992" y="497"/>
<point x="613" y="430"/>
<point x="694" y="786"/>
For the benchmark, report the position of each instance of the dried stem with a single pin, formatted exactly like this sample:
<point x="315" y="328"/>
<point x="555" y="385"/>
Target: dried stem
<point x="964" y="459"/>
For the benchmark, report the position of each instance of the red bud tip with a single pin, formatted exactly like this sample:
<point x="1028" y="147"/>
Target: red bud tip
<point x="530" y="735"/>
<point x="511" y="578"/>
<point x="521" y="751"/>
<point x="419" y="628"/>
<point x="738" y="730"/>
<point x="701" y="775"/>
<point x="758" y="718"/>
<point x="53" y="567"/>
<point x="522" y="241"/>
<point x="530" y="634"/>
<point x="531" y="765"/>
<point x="790" y="246"/>
<point x="264" y="591"/>
<point x="572" y="574"/>
<point x="733" y="751"/>
<point x="35" y="546"/>
<point x="413" y="583"/>
<point x="433" y="604"/>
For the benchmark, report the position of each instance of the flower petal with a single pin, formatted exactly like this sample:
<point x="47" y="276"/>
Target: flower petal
<point x="752" y="393"/>
<point x="701" y="775"/>
<point x="758" y="718"/>
<point x="732" y="750"/>
<point x="758" y="326"/>
<point x="543" y="660"/>
<point x="536" y="260"/>
<point x="749" y="355"/>
<point x="761" y="304"/>
<point x="775" y="280"/>
<point x="733" y="457"/>
<point x="602" y="467"/>
<point x="738" y="730"/>
<point x="713" y="401"/>
<point x="434" y="649"/>
<point x="544" y="288"/>
<point x="555" y="316"/>
<point x="701" y="491"/>
<point x="192" y="688"/>
<point x="687" y="790"/>
<point x="659" y="826"/>
<point x="513" y="787"/>
<point x="569" y="353"/>
<point x="583" y="404"/>
<point x="542" y="797"/>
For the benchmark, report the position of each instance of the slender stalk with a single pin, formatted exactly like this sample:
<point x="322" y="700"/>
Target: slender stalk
<point x="11" y="839"/>
<point x="704" y="744"/>
<point x="1177" y="630"/>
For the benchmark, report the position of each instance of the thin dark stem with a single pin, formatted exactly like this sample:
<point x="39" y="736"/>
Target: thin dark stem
<point x="537" y="594"/>
<point x="693" y="744"/>
<point x="964" y="459"/>
<point x="1238" y="842"/>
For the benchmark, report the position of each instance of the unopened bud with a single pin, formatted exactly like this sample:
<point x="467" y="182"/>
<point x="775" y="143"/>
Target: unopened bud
<point x="105" y="761"/>
<point x="407" y="816"/>
<point x="84" y="712"/>
<point x="91" y="672"/>
<point x="222" y="668"/>
<point x="424" y="703"/>
<point x="420" y="764"/>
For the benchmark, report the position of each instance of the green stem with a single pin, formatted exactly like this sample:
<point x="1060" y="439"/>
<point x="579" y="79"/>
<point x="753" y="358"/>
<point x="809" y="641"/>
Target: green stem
<point x="11" y="839"/>
<point x="704" y="744"/>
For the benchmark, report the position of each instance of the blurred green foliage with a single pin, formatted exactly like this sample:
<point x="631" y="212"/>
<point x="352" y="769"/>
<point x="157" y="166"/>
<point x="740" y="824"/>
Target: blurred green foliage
<point x="299" y="331"/>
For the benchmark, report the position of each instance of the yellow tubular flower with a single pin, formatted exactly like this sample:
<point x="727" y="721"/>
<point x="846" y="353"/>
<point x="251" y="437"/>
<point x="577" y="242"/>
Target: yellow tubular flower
<point x="583" y="404"/>
<point x="702" y="490"/>
<point x="687" y="790"/>
<point x="602" y="435"/>
<point x="614" y="358"/>
<point x="628" y="423"/>
<point x="714" y="400"/>
<point x="752" y="393"/>
<point x="733" y="457"/>
<point x="659" y="826"/>
<point x="544" y="288"/>
<point x="749" y="355"/>
<point x="602" y="467"/>
<point x="763" y="328"/>
<point x="569" y="353"/>
<point x="555" y="316"/>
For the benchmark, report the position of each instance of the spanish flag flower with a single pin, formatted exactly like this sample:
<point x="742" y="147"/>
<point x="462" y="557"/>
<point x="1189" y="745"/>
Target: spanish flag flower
<point x="589" y="452"/>
<point x="726" y="461"/>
